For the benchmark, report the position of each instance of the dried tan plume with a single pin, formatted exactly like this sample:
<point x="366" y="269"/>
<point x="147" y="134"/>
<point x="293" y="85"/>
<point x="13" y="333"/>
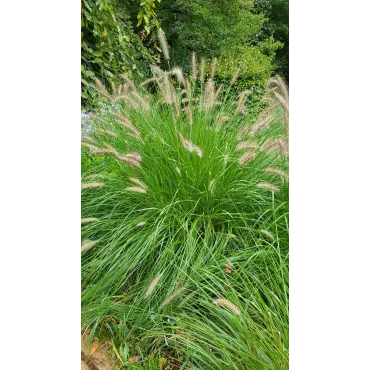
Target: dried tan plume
<point x="92" y="185"/>
<point x="243" y="131"/>
<point x="128" y="81"/>
<point x="177" y="71"/>
<point x="209" y="95"/>
<point x="157" y="71"/>
<point x="217" y="93"/>
<point x="189" y="146"/>
<point x="88" y="145"/>
<point x="261" y="124"/>
<point x="286" y="122"/>
<point x="220" y="119"/>
<point x="240" y="103"/>
<point x="222" y="302"/>
<point x="151" y="287"/>
<point x="166" y="88"/>
<point x="164" y="44"/>
<point x="277" y="82"/>
<point x="103" y="91"/>
<point x="131" y="103"/>
<point x="247" y="145"/>
<point x="172" y="297"/>
<point x="136" y="189"/>
<point x="284" y="146"/>
<point x="283" y="102"/>
<point x="189" y="112"/>
<point x="202" y="70"/>
<point x="275" y="171"/>
<point x="234" y="77"/>
<point x="88" y="220"/>
<point x="138" y="182"/>
<point x="86" y="245"/>
<point x="276" y="144"/>
<point x="188" y="88"/>
<point x="132" y="158"/>
<point x="106" y="132"/>
<point x="129" y="160"/>
<point x="89" y="138"/>
<point x="148" y="81"/>
<point x="193" y="66"/>
<point x="126" y="123"/>
<point x="105" y="150"/>
<point x="143" y="103"/>
<point x="271" y="107"/>
<point x="268" y="143"/>
<point x="268" y="186"/>
<point x="246" y="158"/>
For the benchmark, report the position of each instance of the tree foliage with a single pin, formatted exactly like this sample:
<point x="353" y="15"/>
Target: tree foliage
<point x="277" y="12"/>
<point x="212" y="27"/>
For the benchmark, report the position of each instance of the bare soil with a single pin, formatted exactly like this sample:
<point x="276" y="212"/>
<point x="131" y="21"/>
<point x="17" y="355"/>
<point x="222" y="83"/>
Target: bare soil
<point x="95" y="356"/>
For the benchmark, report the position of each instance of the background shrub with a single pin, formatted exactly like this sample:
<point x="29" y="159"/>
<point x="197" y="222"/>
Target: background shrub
<point x="119" y="37"/>
<point x="109" y="46"/>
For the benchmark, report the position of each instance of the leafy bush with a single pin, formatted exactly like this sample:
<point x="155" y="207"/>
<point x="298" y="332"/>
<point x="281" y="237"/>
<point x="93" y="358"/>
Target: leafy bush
<point x="254" y="68"/>
<point x="109" y="45"/>
<point x="185" y="226"/>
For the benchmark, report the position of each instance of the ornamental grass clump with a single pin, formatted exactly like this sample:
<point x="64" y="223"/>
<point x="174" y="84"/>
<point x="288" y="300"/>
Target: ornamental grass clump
<point x="175" y="187"/>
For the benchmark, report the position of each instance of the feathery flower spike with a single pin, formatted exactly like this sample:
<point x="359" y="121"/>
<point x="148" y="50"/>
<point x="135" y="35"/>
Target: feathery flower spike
<point x="246" y="158"/>
<point x="151" y="287"/>
<point x="88" y="220"/>
<point x="247" y="145"/>
<point x="164" y="44"/>
<point x="275" y="171"/>
<point x="86" y="245"/>
<point x="136" y="189"/>
<point x="222" y="302"/>
<point x="91" y="185"/>
<point x="268" y="186"/>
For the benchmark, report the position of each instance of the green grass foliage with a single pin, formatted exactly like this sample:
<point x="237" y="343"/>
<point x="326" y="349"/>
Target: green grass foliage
<point x="185" y="253"/>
